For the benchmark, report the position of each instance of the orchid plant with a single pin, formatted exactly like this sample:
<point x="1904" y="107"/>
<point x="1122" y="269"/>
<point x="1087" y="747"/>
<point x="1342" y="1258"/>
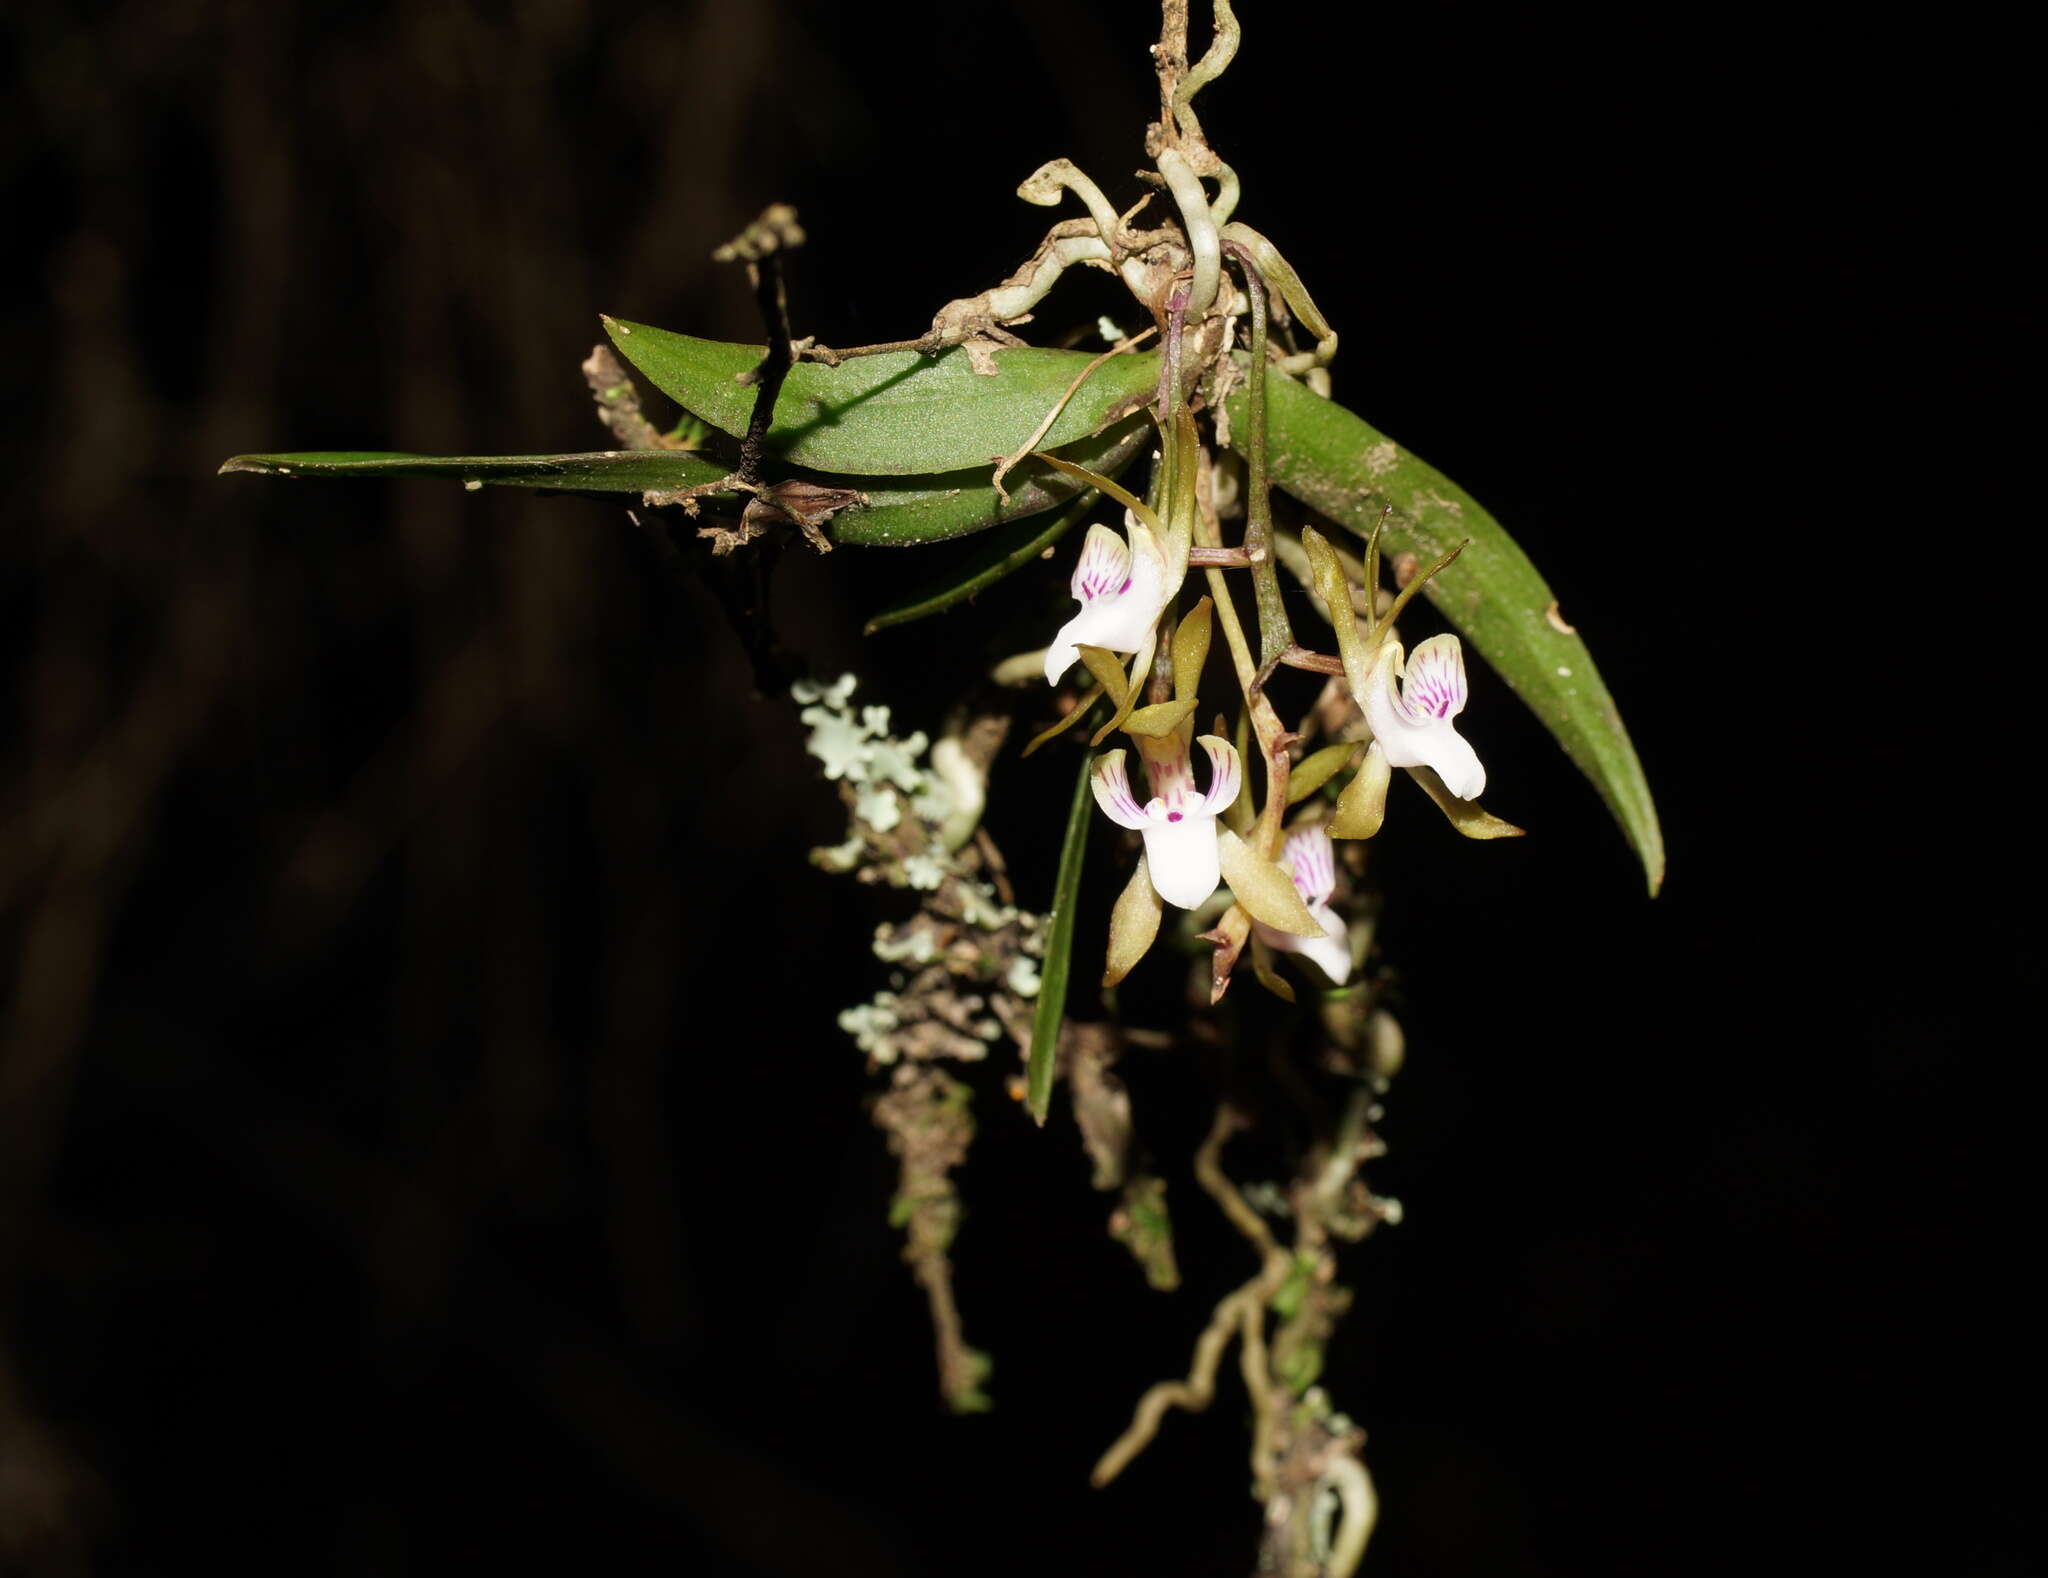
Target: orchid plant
<point x="1262" y="852"/>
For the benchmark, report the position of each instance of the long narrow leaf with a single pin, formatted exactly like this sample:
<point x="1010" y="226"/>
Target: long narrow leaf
<point x="904" y="511"/>
<point x="1059" y="951"/>
<point x="1000" y="553"/>
<point x="604" y="471"/>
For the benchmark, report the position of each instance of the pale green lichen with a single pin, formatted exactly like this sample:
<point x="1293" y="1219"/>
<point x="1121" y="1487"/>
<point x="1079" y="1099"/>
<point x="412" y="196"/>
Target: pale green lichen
<point x="861" y="749"/>
<point x="894" y="761"/>
<point x="977" y="907"/>
<point x="915" y="948"/>
<point x="807" y="691"/>
<point x="871" y="1024"/>
<point x="910" y="828"/>
<point x="840" y="857"/>
<point x="935" y="804"/>
<point x="923" y="871"/>
<point x="877" y="805"/>
<point x="837" y="741"/>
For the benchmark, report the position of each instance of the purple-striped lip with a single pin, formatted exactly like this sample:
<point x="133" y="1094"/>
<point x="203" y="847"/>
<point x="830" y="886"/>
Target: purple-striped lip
<point x="1093" y="586"/>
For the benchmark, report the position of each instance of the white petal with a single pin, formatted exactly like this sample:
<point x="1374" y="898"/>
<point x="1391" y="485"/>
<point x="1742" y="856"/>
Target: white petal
<point x="1104" y="624"/>
<point x="1148" y="564"/>
<point x="1180" y="849"/>
<point x="1418" y="736"/>
<point x="1112" y="788"/>
<point x="1381" y="702"/>
<point x="1226" y="774"/>
<point x="1120" y="624"/>
<point x="1330" y="953"/>
<point x="1104" y="568"/>
<point x="1313" y="862"/>
<point x="1451" y="754"/>
<point x="1121" y="589"/>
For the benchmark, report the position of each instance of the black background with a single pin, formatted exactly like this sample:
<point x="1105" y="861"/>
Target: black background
<point x="424" y="1140"/>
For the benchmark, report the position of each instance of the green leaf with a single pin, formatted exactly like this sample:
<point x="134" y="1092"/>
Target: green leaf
<point x="605" y="471"/>
<point x="1263" y="971"/>
<point x="1001" y="552"/>
<point x="1108" y="670"/>
<point x="1312" y="772"/>
<point x="894" y="414"/>
<point x="1129" y="500"/>
<point x="1469" y="817"/>
<point x="902" y="512"/>
<point x="1190" y="650"/>
<point x="920" y="510"/>
<point x="1158" y="721"/>
<point x="1333" y="461"/>
<point x="1133" y="924"/>
<point x="1055" y="730"/>
<point x="1362" y="807"/>
<point x="1267" y="893"/>
<point x="1141" y="665"/>
<point x="1059" y="950"/>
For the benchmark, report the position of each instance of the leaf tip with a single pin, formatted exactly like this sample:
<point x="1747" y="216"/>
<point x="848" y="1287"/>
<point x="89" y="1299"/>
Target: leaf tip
<point x="1645" y="834"/>
<point x="258" y="465"/>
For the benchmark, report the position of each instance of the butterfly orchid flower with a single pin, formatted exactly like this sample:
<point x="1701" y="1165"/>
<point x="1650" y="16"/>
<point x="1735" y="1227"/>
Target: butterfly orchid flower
<point x="1312" y="862"/>
<point x="1121" y="588"/>
<point x="1411" y="707"/>
<point x="1179" y="821"/>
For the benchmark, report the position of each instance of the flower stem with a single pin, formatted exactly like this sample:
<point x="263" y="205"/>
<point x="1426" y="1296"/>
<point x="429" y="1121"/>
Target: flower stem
<point x="1275" y="634"/>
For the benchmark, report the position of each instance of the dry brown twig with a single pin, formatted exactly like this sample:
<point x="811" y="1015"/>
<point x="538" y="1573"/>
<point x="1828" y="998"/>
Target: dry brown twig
<point x="1102" y="1112"/>
<point x="1239" y="1312"/>
<point x="618" y="402"/>
<point x="925" y="1114"/>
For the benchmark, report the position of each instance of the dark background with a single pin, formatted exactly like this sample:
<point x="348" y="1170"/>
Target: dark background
<point x="424" y="1140"/>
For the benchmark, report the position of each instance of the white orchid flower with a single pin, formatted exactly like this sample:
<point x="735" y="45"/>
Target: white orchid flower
<point x="1121" y="588"/>
<point x="1412" y="720"/>
<point x="1312" y="862"/>
<point x="1179" y="822"/>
